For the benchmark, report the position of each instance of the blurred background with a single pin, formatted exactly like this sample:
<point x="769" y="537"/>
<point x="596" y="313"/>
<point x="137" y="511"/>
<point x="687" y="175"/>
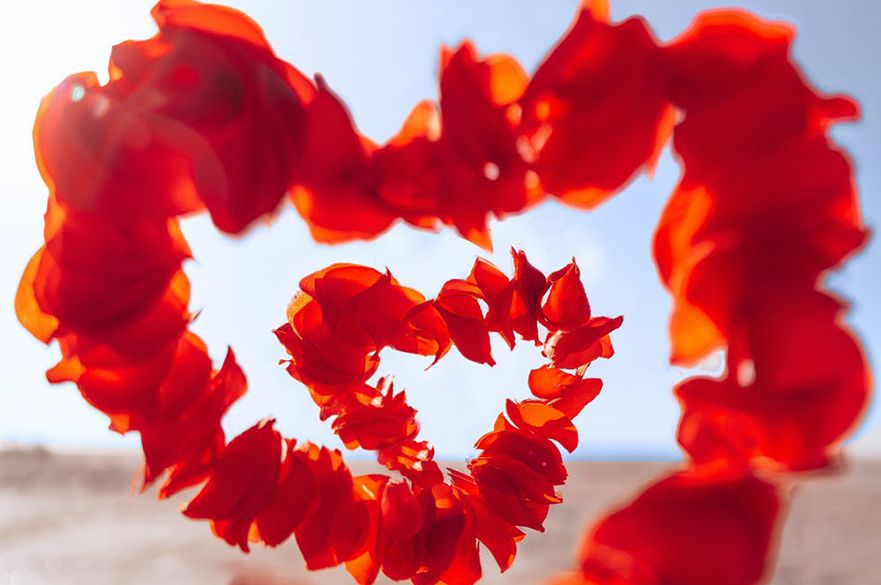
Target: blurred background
<point x="381" y="57"/>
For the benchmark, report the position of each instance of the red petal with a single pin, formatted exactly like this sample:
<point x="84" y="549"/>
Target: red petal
<point x="576" y="348"/>
<point x="466" y="324"/>
<point x="241" y="485"/>
<point x="687" y="530"/>
<point x="337" y="174"/>
<point x="544" y="420"/>
<point x="567" y="306"/>
<point x="291" y="500"/>
<point x="596" y="108"/>
<point x="38" y="323"/>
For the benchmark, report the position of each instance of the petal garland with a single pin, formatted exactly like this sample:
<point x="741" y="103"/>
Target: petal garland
<point x="204" y="116"/>
<point x="340" y="321"/>
<point x="766" y="205"/>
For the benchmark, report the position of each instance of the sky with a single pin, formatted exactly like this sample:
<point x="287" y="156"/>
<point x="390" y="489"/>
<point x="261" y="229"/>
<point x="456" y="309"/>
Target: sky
<point x="381" y="57"/>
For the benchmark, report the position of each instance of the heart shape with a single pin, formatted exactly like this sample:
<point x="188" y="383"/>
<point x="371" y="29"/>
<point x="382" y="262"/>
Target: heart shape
<point x="426" y="528"/>
<point x="765" y="200"/>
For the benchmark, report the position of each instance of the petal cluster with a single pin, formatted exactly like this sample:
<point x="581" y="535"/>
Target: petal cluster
<point x="765" y="207"/>
<point x="205" y="100"/>
<point x="497" y="141"/>
<point x="113" y="295"/>
<point x="427" y="525"/>
<point x="236" y="130"/>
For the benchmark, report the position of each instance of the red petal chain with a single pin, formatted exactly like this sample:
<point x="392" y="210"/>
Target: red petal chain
<point x="205" y="116"/>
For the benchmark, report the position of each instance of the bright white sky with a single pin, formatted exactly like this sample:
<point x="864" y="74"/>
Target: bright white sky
<point x="381" y="56"/>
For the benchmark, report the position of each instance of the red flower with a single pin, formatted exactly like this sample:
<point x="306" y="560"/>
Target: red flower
<point x="565" y="392"/>
<point x="541" y="419"/>
<point x="483" y="169"/>
<point x="428" y="536"/>
<point x="512" y="305"/>
<point x="497" y="292"/>
<point x="343" y="317"/>
<point x="369" y="489"/>
<point x="529" y="286"/>
<point x="121" y="386"/>
<point x="498" y="535"/>
<point x="361" y="304"/>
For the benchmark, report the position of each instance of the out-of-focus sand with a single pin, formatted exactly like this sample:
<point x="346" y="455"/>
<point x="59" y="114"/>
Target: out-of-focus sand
<point x="74" y="519"/>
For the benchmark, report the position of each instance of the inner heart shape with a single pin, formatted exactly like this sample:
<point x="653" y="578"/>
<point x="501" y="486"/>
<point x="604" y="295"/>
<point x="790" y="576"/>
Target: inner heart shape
<point x="204" y="116"/>
<point x="426" y="528"/>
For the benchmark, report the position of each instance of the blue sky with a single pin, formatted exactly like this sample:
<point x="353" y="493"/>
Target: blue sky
<point x="381" y="56"/>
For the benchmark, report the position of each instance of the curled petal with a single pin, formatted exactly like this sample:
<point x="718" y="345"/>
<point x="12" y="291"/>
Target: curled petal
<point x="566" y="306"/>
<point x="542" y="419"/>
<point x="573" y="349"/>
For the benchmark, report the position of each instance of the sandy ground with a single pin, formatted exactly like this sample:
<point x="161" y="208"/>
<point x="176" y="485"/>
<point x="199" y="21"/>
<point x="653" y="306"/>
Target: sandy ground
<point x="73" y="519"/>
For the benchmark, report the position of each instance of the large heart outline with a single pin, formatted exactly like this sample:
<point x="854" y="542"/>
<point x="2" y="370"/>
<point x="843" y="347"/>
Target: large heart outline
<point x="746" y="51"/>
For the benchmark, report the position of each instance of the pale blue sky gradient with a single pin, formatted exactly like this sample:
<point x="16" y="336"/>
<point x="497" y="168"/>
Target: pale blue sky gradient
<point x="381" y="56"/>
